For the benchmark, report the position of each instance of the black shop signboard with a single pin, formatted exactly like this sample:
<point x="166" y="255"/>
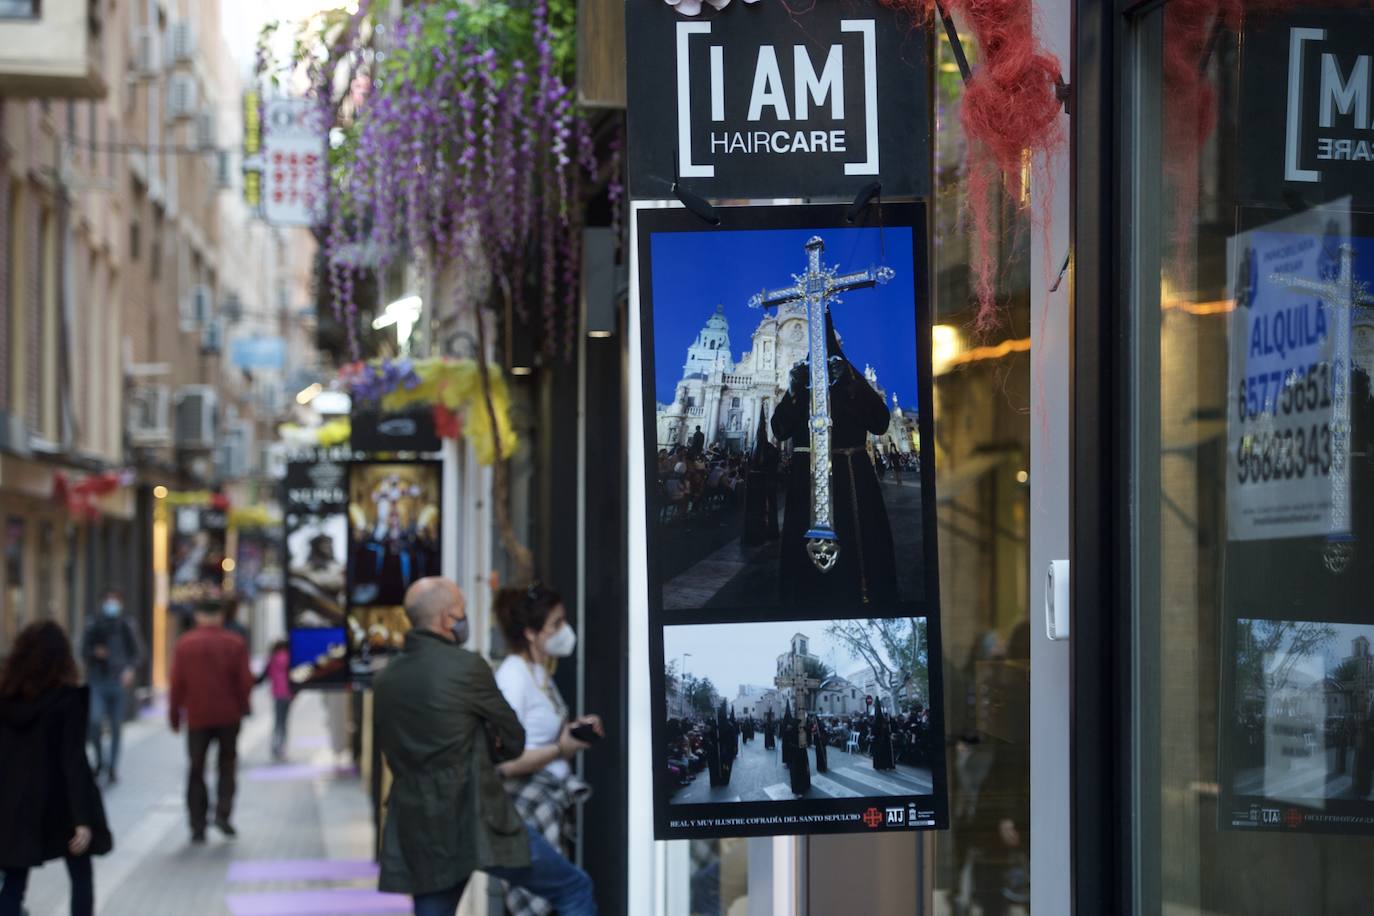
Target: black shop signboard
<point x="1307" y="101"/>
<point x="765" y="101"/>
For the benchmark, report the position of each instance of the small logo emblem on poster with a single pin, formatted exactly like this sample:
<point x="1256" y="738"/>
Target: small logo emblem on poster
<point x="872" y="818"/>
<point x="1271" y="815"/>
<point x="1292" y="818"/>
<point x="896" y="817"/>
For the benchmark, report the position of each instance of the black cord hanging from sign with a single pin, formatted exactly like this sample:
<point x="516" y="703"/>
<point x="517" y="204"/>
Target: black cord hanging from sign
<point x="955" y="44"/>
<point x="697" y="204"/>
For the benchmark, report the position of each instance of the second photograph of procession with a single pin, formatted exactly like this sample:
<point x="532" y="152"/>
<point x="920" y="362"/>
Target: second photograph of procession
<point x="785" y="410"/>
<point x="798" y="710"/>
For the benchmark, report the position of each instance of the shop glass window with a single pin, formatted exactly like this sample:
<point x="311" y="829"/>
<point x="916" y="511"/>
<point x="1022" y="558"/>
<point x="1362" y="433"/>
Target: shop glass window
<point x="1250" y="235"/>
<point x="982" y="448"/>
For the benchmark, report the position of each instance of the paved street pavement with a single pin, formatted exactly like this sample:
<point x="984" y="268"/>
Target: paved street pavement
<point x="734" y="576"/>
<point x="760" y="776"/>
<point x="305" y="832"/>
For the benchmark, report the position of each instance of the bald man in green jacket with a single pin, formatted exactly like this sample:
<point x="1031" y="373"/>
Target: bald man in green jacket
<point x="443" y="725"/>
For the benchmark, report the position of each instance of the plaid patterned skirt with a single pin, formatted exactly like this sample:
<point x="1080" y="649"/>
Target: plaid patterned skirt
<point x="545" y="802"/>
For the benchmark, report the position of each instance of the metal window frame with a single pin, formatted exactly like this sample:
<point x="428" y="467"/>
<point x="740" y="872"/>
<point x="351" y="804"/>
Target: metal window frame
<point x="1102" y="642"/>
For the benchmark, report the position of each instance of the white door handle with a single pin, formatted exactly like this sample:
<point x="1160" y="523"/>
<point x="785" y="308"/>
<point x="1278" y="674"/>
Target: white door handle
<point x="1057" y="600"/>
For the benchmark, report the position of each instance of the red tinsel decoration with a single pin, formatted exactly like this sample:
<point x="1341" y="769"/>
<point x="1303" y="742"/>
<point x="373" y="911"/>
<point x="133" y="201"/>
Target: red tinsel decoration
<point x="80" y="498"/>
<point x="1010" y="111"/>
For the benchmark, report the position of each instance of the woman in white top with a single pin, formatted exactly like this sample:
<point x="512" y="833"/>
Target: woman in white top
<point x="540" y="780"/>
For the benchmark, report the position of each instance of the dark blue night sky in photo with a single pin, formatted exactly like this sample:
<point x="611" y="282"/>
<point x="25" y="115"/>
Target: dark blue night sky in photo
<point x="695" y="271"/>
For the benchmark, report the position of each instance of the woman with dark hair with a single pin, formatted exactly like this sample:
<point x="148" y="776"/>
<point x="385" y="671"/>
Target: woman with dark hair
<point x="541" y="782"/>
<point x="49" y="803"/>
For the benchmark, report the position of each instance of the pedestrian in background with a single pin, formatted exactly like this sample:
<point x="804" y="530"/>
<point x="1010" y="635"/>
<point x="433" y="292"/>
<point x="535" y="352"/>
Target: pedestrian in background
<point x="211" y="683"/>
<point x="443" y="726"/>
<point x="112" y="651"/>
<point x="50" y="805"/>
<point x="540" y="781"/>
<point x="278" y="674"/>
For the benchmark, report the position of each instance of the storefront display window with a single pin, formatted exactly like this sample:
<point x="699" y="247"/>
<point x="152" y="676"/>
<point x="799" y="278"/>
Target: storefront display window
<point x="1251" y="241"/>
<point x="982" y="437"/>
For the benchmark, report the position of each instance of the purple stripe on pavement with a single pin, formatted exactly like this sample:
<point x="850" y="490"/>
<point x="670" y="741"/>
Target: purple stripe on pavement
<point x="310" y="742"/>
<point x="301" y="870"/>
<point x="297" y="772"/>
<point x="318" y="903"/>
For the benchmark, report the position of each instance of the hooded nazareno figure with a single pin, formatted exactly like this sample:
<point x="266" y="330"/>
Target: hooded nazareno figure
<point x="866" y="570"/>
<point x="794" y="753"/>
<point x="882" y="739"/>
<point x="770" y="731"/>
<point x="822" y="764"/>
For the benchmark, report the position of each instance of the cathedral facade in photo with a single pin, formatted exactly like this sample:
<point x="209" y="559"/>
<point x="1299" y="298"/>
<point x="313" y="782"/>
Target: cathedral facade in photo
<point x="726" y="397"/>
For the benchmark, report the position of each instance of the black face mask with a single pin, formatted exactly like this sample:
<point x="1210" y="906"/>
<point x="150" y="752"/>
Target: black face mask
<point x="460" y="630"/>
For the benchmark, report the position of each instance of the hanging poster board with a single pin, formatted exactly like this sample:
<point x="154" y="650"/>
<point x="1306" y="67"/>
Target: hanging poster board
<point x="1296" y="742"/>
<point x="781" y="600"/>
<point x="199" y="536"/>
<point x="315" y="504"/>
<point x="776" y="99"/>
<point x="393" y="541"/>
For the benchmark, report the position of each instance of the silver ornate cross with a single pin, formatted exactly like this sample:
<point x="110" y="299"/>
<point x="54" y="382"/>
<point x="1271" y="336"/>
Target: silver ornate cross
<point x="1342" y="294"/>
<point x="817" y="287"/>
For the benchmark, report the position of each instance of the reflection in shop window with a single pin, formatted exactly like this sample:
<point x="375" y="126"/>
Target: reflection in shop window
<point x="12" y="609"/>
<point x="982" y="447"/>
<point x="720" y="877"/>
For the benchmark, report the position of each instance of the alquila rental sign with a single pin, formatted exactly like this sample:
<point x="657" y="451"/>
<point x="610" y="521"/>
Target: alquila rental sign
<point x="758" y="101"/>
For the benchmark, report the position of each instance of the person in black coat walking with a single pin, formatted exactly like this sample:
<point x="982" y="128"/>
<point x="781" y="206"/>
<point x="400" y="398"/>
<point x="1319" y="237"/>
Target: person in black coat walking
<point x="49" y="802"/>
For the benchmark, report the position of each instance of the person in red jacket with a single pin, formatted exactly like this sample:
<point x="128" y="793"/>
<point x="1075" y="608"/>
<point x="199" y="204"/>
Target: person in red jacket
<point x="211" y="682"/>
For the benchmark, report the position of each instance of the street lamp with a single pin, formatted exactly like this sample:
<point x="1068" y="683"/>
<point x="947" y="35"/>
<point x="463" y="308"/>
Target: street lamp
<point x="404" y="313"/>
<point x="682" y="691"/>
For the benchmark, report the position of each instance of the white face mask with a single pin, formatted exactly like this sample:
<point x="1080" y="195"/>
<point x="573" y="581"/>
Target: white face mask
<point x="561" y="643"/>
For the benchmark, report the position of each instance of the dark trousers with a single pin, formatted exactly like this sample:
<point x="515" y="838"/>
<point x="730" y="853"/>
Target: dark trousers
<point x="16" y="881"/>
<point x="107" y="705"/>
<point x="198" y="740"/>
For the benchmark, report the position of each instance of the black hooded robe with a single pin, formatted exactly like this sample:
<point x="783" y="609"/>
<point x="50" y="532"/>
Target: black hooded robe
<point x="795" y="757"/>
<point x="769" y="734"/>
<point x="882" y="742"/>
<point x="866" y="571"/>
<point x="714" y="763"/>
<point x="822" y="764"/>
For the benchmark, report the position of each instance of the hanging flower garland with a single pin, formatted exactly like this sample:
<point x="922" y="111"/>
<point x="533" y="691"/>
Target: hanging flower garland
<point x="469" y="152"/>
<point x="326" y="435"/>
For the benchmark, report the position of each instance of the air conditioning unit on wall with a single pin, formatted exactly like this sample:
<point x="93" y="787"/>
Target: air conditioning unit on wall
<point x="148" y="416"/>
<point x="196" y="415"/>
<point x="181" y="97"/>
<point x="235" y="453"/>
<point x="183" y="39"/>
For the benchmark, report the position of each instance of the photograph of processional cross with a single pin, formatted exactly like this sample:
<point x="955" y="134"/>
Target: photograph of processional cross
<point x="787" y="469"/>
